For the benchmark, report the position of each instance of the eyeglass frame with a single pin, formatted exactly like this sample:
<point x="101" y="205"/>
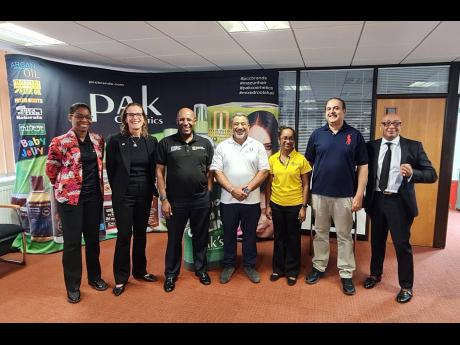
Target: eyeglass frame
<point x="389" y="123"/>
<point x="131" y="115"/>
<point x="80" y="116"/>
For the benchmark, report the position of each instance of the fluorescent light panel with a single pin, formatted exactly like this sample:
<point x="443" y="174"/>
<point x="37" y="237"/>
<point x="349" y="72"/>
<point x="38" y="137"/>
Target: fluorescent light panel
<point x="244" y="26"/>
<point x="22" y="36"/>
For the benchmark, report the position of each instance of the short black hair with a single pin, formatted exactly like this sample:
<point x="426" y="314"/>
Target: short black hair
<point x="339" y="99"/>
<point x="282" y="128"/>
<point x="73" y="108"/>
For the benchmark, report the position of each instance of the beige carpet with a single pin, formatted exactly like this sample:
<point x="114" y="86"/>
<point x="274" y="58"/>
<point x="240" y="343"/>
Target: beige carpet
<point x="36" y="292"/>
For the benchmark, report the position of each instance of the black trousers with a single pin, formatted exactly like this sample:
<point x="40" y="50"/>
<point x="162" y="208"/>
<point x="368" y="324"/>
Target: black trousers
<point x="131" y="216"/>
<point x="287" y="242"/>
<point x="197" y="211"/>
<point x="84" y="218"/>
<point x="232" y="215"/>
<point x="389" y="214"/>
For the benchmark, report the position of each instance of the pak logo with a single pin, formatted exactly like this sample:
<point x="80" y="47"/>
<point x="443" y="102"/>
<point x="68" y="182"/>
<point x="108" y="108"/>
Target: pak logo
<point x="175" y="148"/>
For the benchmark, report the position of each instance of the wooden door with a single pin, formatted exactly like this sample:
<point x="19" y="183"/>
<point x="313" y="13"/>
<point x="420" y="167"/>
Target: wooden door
<point x="422" y="120"/>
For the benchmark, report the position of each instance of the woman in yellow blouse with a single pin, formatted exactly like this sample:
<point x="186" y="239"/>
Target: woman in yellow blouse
<point x="286" y="196"/>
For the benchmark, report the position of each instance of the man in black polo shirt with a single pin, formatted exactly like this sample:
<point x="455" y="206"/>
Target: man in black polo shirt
<point x="185" y="194"/>
<point x="337" y="153"/>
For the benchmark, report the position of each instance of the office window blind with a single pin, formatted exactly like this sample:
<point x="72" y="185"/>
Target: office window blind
<point x="354" y="86"/>
<point x="286" y="94"/>
<point x="412" y="80"/>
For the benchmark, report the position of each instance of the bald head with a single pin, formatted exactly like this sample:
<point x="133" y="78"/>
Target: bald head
<point x="182" y="111"/>
<point x="185" y="121"/>
<point x="391" y="126"/>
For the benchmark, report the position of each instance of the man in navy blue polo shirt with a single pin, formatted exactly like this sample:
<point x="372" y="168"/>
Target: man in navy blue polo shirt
<point x="338" y="155"/>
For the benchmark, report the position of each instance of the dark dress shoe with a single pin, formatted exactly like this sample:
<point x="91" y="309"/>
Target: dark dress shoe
<point x="118" y="290"/>
<point x="148" y="277"/>
<point x="314" y="276"/>
<point x="275" y="276"/>
<point x="99" y="285"/>
<point x="371" y="281"/>
<point x="73" y="296"/>
<point x="348" y="287"/>
<point x="204" y="278"/>
<point x="291" y="281"/>
<point x="404" y="296"/>
<point x="169" y="284"/>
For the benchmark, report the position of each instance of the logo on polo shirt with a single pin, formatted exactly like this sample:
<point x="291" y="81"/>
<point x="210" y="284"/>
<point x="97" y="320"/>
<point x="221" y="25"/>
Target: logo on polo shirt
<point x="198" y="148"/>
<point x="175" y="148"/>
<point x="348" y="139"/>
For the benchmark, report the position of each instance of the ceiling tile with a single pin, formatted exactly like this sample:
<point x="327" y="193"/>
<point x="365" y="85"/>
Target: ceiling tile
<point x="336" y="56"/>
<point x="188" y="28"/>
<point x="290" y="57"/>
<point x="209" y="44"/>
<point x="123" y="30"/>
<point x="158" y="46"/>
<point x="394" y="53"/>
<point x="68" y="32"/>
<point x="440" y="43"/>
<point x="336" y="36"/>
<point x="112" y="49"/>
<point x="266" y="40"/>
<point x="395" y="33"/>
<point x="202" y="68"/>
<point x="237" y="67"/>
<point x="186" y="60"/>
<point x="320" y="24"/>
<point x="235" y="58"/>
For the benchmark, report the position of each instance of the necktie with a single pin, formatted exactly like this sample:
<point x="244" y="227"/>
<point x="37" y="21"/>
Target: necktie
<point x="385" y="169"/>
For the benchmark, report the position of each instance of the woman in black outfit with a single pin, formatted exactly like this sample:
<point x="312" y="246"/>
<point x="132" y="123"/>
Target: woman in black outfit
<point x="130" y="164"/>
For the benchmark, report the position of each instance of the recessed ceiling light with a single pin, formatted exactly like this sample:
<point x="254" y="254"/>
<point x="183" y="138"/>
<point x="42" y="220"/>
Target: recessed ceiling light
<point x="255" y="26"/>
<point x="277" y="25"/>
<point x="22" y="36"/>
<point x="244" y="26"/>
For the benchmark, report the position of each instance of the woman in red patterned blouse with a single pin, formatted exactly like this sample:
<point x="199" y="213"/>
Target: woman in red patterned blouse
<point x="74" y="167"/>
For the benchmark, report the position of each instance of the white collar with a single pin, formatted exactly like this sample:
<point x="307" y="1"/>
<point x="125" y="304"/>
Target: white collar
<point x="394" y="141"/>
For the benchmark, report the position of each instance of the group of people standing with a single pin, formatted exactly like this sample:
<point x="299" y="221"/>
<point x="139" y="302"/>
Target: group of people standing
<point x="347" y="175"/>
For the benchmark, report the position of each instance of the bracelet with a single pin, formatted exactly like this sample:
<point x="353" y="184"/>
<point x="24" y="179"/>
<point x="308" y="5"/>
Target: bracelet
<point x="305" y="205"/>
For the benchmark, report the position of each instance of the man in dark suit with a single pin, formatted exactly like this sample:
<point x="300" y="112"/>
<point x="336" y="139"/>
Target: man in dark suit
<point x="395" y="164"/>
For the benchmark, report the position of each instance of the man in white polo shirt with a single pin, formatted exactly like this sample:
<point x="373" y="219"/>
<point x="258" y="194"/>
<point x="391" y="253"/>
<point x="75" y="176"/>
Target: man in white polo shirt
<point x="241" y="165"/>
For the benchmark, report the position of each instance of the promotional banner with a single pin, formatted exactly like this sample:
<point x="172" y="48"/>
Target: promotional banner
<point x="41" y="92"/>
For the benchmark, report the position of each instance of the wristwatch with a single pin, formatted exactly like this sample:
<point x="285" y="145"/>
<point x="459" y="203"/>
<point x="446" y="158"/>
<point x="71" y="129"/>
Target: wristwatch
<point x="305" y="205"/>
<point x="246" y="190"/>
<point x="163" y="197"/>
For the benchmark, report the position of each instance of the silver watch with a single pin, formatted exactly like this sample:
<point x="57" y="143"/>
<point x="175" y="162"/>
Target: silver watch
<point x="163" y="197"/>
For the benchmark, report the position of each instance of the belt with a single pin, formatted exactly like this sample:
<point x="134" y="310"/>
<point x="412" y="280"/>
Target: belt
<point x="390" y="194"/>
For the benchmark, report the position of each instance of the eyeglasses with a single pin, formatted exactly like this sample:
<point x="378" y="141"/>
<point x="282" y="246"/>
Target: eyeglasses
<point x="134" y="114"/>
<point x="79" y="116"/>
<point x="389" y="123"/>
<point x="287" y="138"/>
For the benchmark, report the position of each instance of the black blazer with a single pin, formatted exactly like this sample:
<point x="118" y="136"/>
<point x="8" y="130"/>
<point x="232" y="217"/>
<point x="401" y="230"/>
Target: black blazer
<point x="118" y="164"/>
<point x="411" y="152"/>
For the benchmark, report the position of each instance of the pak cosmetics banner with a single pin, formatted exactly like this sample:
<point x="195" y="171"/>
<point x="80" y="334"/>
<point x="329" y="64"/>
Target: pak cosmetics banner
<point x="41" y="92"/>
